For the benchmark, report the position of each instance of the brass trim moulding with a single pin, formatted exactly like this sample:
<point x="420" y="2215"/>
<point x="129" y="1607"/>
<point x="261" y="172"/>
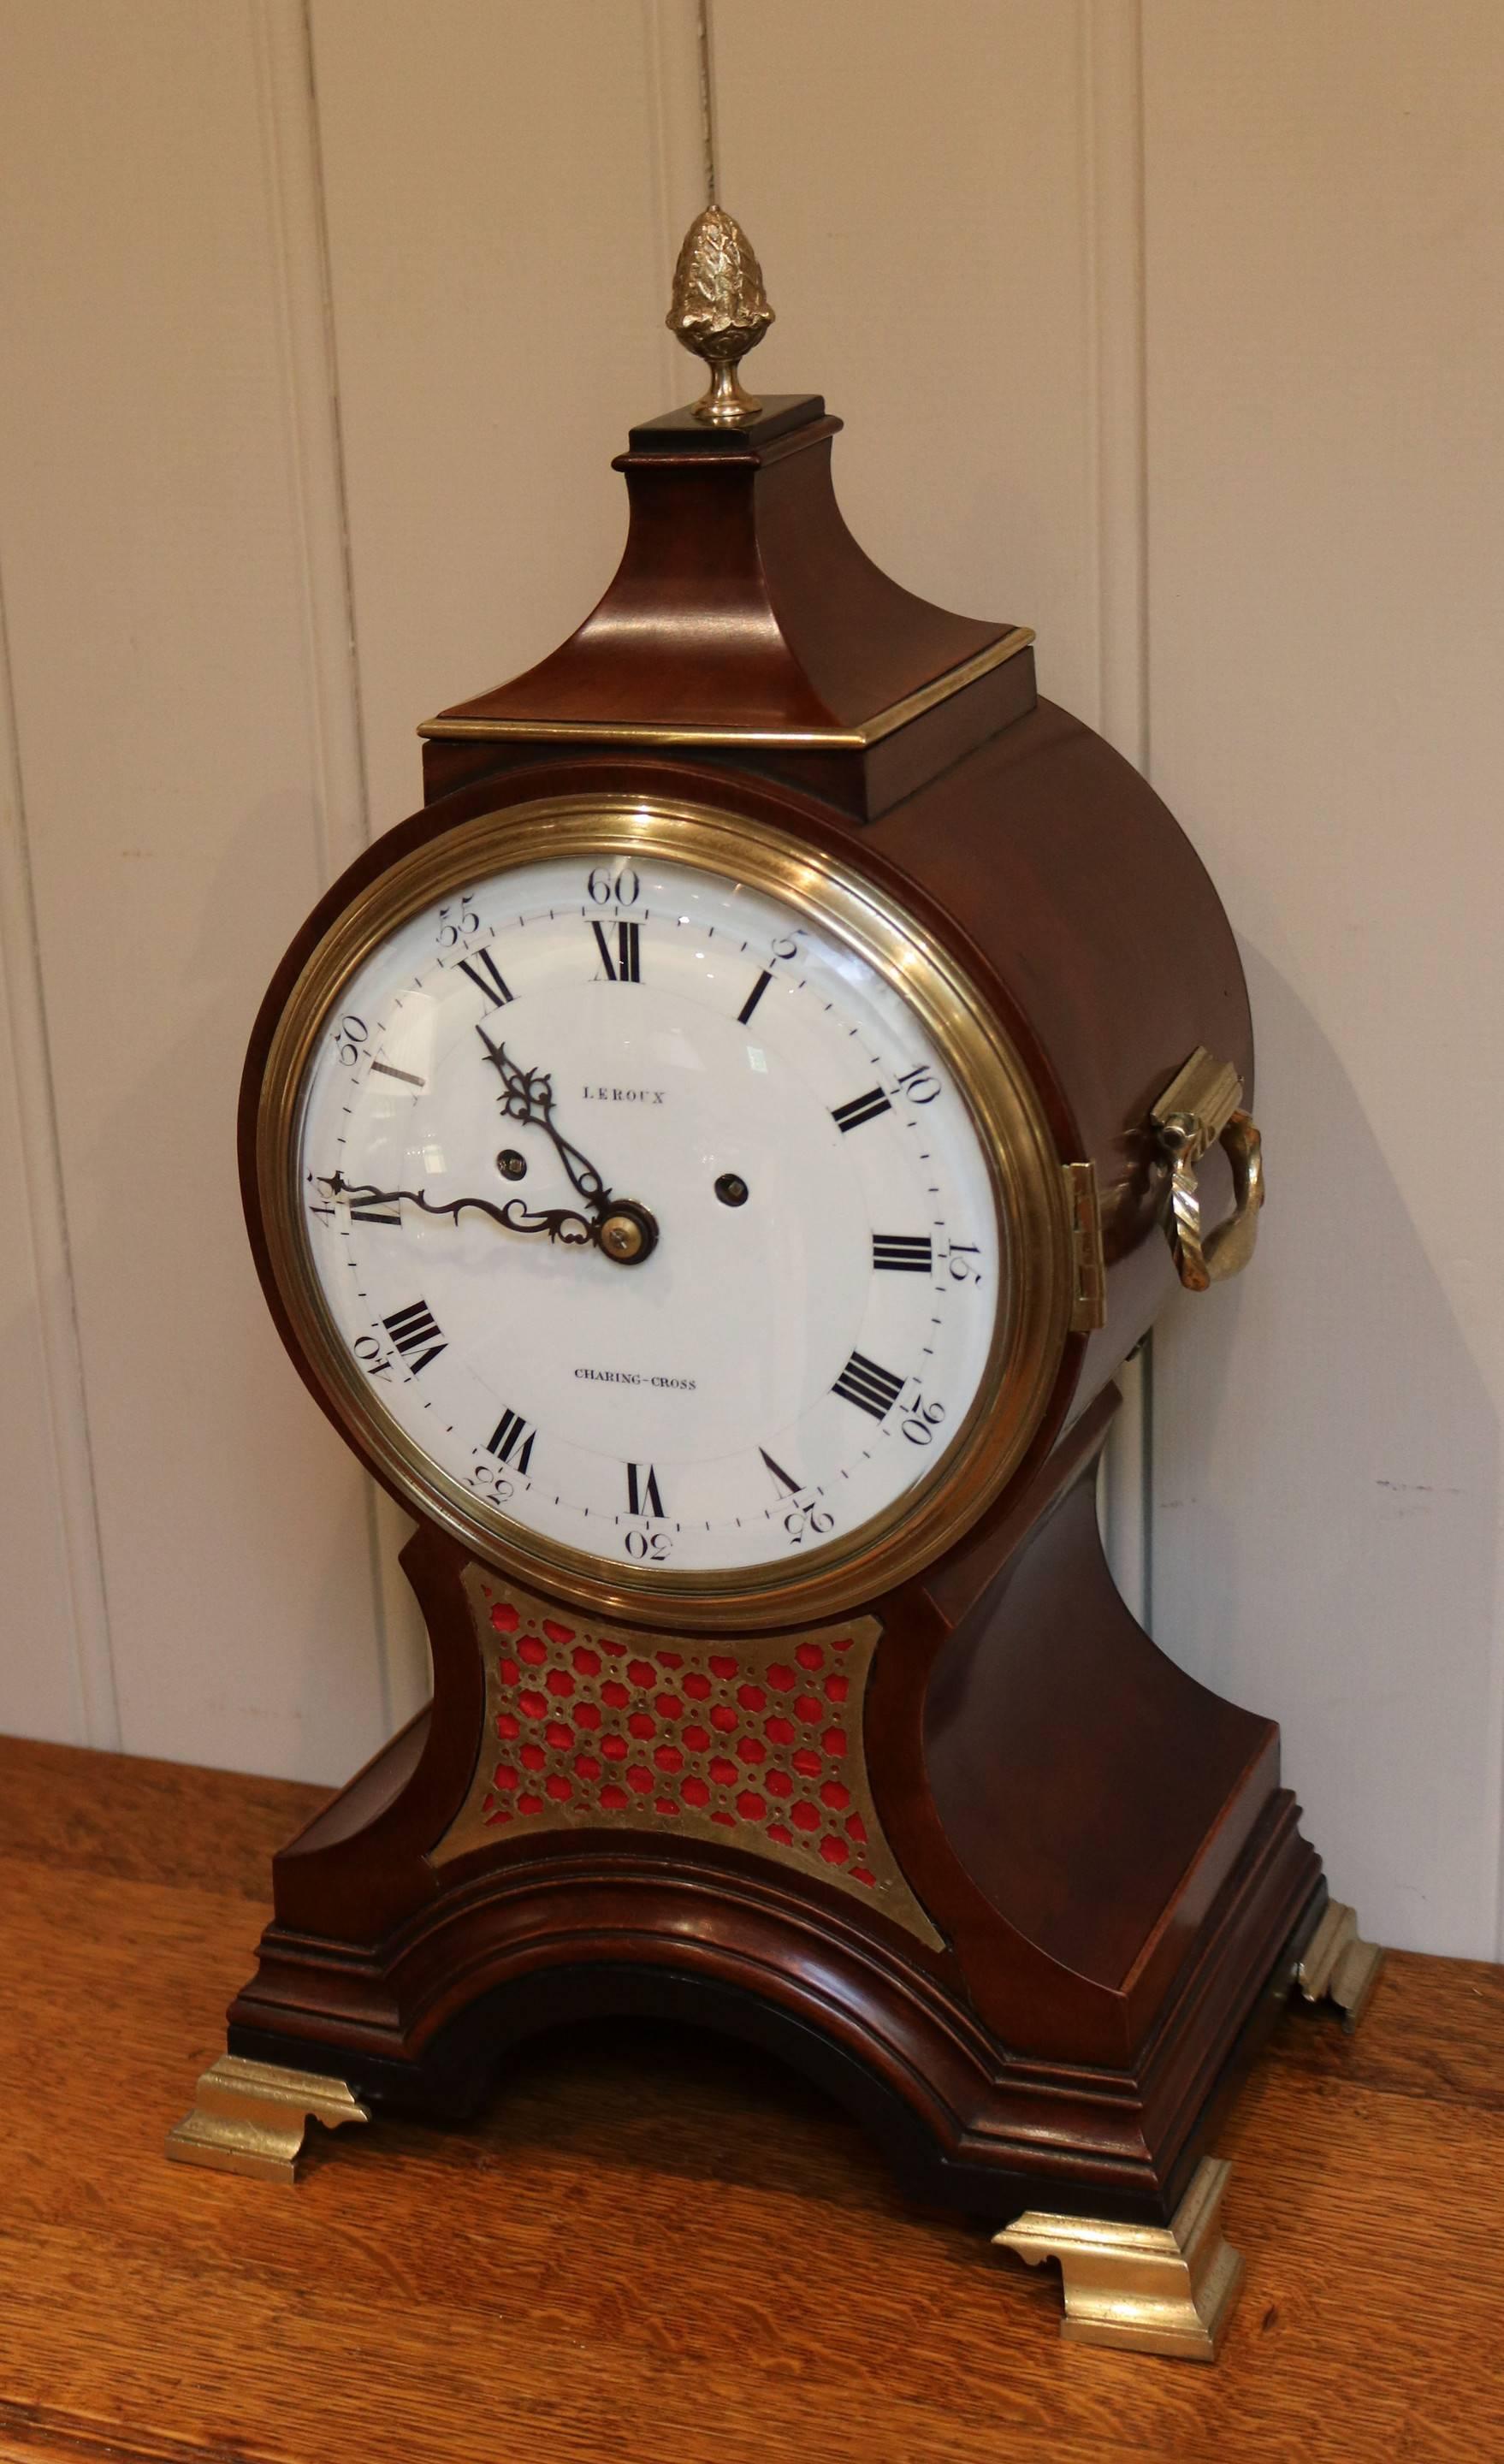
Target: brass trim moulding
<point x="252" y="2118"/>
<point x="1029" y="1191"/>
<point x="1166" y="2289"/>
<point x="786" y="739"/>
<point x="1089" y="1309"/>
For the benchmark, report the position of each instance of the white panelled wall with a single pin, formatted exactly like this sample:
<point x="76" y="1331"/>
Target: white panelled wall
<point x="1175" y="333"/>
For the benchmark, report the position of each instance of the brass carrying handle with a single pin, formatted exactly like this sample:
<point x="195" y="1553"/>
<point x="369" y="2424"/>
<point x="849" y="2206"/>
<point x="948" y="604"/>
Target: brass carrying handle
<point x="1199" y="1109"/>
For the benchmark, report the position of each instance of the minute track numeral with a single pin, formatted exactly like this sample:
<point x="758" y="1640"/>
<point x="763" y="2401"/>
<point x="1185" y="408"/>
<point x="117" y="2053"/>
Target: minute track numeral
<point x="484" y="973"/>
<point x="625" y="968"/>
<point x="870" y="1388"/>
<point x="643" y="1494"/>
<point x="860" y="1108"/>
<point x="905" y="1253"/>
<point x="512" y="1440"/>
<point x="412" y="1327"/>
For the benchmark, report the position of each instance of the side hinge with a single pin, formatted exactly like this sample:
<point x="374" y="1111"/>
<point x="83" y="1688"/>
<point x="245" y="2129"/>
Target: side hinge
<point x="1089" y="1304"/>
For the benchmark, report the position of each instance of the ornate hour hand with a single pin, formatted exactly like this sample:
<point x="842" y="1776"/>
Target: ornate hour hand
<point x="528" y="1096"/>
<point x="622" y="1227"/>
<point x="563" y="1223"/>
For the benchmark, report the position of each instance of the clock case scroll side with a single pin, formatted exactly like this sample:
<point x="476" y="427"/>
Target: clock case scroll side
<point x="1101" y="1842"/>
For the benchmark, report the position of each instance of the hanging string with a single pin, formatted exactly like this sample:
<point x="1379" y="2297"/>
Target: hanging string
<point x="707" y="118"/>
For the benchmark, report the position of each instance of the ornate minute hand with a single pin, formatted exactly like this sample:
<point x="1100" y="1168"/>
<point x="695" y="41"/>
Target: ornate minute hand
<point x="559" y="1223"/>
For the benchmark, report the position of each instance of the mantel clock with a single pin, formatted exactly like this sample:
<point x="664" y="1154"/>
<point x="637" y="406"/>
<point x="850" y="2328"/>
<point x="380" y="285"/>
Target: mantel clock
<point x="709" y="1163"/>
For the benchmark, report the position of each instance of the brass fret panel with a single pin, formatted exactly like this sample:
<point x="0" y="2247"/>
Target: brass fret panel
<point x="751" y="1742"/>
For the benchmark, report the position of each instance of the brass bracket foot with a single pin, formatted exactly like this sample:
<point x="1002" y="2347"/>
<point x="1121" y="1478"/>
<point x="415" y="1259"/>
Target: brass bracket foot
<point x="250" y="2118"/>
<point x="1143" y="2288"/>
<point x="1338" y="1966"/>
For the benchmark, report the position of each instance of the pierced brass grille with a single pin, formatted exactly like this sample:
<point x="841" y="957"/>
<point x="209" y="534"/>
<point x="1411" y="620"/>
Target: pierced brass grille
<point x="752" y="1742"/>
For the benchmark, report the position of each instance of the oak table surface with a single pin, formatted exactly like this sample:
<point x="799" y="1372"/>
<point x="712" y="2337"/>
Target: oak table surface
<point x="658" y="2248"/>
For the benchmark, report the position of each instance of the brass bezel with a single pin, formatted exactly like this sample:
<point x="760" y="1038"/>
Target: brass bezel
<point x="1028" y="1189"/>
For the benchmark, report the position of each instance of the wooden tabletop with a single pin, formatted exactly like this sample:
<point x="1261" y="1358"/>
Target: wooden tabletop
<point x="658" y="2249"/>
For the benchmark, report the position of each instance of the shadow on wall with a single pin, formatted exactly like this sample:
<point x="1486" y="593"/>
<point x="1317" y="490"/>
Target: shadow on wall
<point x="1326" y="1505"/>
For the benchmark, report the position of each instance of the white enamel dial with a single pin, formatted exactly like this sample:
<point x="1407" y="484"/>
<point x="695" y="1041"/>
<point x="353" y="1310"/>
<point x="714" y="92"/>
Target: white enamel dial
<point x="567" y="1049"/>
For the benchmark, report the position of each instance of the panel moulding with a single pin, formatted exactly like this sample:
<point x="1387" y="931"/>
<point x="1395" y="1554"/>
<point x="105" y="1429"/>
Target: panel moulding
<point x="289" y="112"/>
<point x="95" y="1693"/>
<point x="680" y="141"/>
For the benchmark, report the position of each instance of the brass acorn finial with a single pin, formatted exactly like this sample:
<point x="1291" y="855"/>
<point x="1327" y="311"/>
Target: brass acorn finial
<point x="719" y="311"/>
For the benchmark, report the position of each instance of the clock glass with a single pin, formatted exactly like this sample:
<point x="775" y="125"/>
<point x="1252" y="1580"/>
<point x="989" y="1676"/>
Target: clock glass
<point x="643" y="1204"/>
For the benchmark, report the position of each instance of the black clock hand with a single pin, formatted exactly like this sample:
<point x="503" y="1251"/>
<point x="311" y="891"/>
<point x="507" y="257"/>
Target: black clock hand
<point x="622" y="1226"/>
<point x="559" y="1223"/>
<point x="528" y="1097"/>
<point x="625" y="1232"/>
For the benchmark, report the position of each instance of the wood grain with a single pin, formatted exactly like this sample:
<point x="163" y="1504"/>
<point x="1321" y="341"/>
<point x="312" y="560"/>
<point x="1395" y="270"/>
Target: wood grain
<point x="656" y="2247"/>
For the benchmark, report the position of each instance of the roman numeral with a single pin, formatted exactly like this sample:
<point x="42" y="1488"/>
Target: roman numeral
<point x="870" y="1388"/>
<point x="753" y="998"/>
<point x="411" y="1328"/>
<point x="484" y="973"/>
<point x="388" y="1215"/>
<point x="627" y="967"/>
<point x="784" y="1479"/>
<point x="860" y="1108"/>
<point x="906" y="1255"/>
<point x="643" y="1494"/>
<point x="405" y="1076"/>
<point x="512" y="1438"/>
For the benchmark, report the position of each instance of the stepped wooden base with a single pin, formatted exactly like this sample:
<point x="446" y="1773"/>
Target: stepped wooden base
<point x="1142" y="2288"/>
<point x="1029" y="1911"/>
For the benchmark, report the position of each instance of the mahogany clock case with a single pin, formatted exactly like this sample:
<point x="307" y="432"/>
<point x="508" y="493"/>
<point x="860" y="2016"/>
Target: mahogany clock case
<point x="1112" y="1885"/>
